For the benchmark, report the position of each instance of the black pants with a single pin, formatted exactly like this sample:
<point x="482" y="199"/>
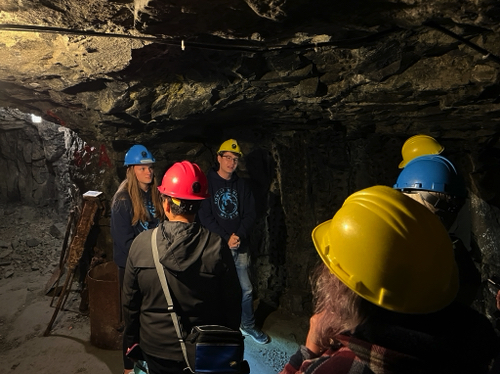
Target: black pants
<point x="162" y="366"/>
<point x="127" y="363"/>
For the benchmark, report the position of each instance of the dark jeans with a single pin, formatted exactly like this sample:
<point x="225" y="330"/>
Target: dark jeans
<point x="162" y="366"/>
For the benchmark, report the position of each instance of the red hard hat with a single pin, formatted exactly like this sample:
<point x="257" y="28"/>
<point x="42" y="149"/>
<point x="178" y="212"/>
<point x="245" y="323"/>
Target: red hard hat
<point x="185" y="181"/>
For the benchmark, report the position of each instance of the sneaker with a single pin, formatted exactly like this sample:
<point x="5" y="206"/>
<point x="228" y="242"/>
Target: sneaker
<point x="258" y="335"/>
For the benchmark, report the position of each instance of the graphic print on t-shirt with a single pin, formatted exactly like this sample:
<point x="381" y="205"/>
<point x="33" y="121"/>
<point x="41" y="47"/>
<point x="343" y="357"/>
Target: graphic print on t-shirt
<point x="151" y="209"/>
<point x="226" y="201"/>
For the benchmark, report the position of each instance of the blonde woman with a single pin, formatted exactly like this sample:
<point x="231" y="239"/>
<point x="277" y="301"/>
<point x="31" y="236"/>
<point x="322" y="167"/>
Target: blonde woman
<point x="136" y="207"/>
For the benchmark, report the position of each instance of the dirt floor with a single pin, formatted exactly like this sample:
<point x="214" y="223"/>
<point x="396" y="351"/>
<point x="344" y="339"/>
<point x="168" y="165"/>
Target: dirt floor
<point x="30" y="246"/>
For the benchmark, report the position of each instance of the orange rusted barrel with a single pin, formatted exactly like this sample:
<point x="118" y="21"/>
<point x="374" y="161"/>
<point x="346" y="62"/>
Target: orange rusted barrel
<point x="104" y="306"/>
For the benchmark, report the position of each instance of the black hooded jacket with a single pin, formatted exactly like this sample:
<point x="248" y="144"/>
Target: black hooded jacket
<point x="202" y="280"/>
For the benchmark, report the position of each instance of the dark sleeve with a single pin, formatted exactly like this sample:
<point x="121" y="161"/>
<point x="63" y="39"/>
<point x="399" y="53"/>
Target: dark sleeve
<point x="297" y="359"/>
<point x="468" y="275"/>
<point x="247" y="212"/>
<point x="122" y="231"/>
<point x="232" y="290"/>
<point x="342" y="362"/>
<point x="131" y="304"/>
<point x="207" y="219"/>
<point x="288" y="369"/>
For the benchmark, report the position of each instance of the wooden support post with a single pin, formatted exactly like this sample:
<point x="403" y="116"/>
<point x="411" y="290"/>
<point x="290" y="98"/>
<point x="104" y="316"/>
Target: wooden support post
<point x="90" y="206"/>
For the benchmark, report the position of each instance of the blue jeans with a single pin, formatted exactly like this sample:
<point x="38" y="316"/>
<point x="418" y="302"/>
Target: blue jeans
<point x="242" y="263"/>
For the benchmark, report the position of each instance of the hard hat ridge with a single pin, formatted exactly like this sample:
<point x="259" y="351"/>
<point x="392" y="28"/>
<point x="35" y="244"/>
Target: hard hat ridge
<point x="137" y="155"/>
<point x="390" y="250"/>
<point x="419" y="145"/>
<point x="186" y="181"/>
<point x="230" y="145"/>
<point x="431" y="173"/>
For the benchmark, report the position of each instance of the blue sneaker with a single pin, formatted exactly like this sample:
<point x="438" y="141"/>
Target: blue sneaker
<point x="258" y="335"/>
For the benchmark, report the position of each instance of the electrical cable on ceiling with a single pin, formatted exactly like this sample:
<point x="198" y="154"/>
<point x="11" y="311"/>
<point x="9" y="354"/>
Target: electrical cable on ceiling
<point x="184" y="44"/>
<point x="253" y="48"/>
<point x="486" y="54"/>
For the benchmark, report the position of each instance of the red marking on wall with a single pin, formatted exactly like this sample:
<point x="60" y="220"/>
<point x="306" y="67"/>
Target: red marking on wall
<point x="82" y="157"/>
<point x="103" y="156"/>
<point x="58" y="120"/>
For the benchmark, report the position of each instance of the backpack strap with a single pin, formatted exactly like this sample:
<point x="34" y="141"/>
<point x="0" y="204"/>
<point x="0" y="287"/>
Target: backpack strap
<point x="166" y="291"/>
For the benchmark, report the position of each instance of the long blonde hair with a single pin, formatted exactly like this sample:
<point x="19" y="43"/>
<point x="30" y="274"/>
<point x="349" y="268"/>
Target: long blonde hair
<point x="340" y="309"/>
<point x="131" y="185"/>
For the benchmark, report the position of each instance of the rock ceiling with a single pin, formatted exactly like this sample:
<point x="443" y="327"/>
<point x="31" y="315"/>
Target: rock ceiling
<point x="121" y="70"/>
<point x="324" y="93"/>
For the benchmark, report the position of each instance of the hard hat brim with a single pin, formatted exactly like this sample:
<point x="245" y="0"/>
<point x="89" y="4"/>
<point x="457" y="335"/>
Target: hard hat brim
<point x="378" y="245"/>
<point x="319" y="235"/>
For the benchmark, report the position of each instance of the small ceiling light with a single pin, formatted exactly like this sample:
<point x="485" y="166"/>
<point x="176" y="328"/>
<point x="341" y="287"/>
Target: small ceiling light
<point x="36" y="119"/>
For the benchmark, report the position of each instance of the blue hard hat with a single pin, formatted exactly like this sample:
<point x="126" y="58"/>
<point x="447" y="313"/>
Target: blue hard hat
<point x="138" y="154"/>
<point x="431" y="173"/>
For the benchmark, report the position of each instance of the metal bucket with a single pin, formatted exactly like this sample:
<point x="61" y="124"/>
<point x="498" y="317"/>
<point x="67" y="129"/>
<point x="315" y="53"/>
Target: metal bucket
<point x="104" y="306"/>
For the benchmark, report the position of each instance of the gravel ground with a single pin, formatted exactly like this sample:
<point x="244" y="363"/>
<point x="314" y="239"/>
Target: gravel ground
<point x="30" y="247"/>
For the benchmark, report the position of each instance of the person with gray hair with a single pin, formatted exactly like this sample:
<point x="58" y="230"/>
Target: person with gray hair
<point x="433" y="181"/>
<point x="384" y="295"/>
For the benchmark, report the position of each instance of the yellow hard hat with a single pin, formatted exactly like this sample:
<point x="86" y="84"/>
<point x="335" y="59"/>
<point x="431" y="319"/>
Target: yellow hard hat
<point x="390" y="250"/>
<point x="230" y="145"/>
<point x="419" y="145"/>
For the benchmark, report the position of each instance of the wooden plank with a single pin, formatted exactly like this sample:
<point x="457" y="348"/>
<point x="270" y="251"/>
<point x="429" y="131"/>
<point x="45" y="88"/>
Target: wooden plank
<point x="76" y="248"/>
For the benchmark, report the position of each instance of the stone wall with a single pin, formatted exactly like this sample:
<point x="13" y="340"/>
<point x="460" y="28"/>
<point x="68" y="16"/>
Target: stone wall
<point x="34" y="159"/>
<point x="299" y="178"/>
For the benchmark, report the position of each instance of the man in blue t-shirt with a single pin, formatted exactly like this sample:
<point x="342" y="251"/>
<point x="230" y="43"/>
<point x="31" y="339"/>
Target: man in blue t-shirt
<point x="230" y="212"/>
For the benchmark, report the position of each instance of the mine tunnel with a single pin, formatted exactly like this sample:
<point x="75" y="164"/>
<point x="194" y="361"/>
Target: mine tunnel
<point x="320" y="98"/>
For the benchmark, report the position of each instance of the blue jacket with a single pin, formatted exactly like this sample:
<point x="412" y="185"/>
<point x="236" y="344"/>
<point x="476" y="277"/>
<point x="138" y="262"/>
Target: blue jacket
<point x="122" y="231"/>
<point x="230" y="207"/>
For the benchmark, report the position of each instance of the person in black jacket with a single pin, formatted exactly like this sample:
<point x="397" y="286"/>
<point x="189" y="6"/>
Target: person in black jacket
<point x="230" y="212"/>
<point x="433" y="181"/>
<point x="135" y="207"/>
<point x="199" y="269"/>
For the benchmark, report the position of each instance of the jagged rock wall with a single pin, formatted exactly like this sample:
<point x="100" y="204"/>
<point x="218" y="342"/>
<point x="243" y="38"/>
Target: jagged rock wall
<point x="385" y="78"/>
<point x="321" y="96"/>
<point x="299" y="178"/>
<point x="35" y="158"/>
<point x="486" y="236"/>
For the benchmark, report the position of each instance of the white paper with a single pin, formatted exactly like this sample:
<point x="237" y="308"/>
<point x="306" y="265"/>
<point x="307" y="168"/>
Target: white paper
<point x="92" y="193"/>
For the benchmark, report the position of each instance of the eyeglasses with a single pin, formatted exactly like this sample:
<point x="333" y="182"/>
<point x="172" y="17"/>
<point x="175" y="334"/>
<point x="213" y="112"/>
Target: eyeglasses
<point x="231" y="159"/>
